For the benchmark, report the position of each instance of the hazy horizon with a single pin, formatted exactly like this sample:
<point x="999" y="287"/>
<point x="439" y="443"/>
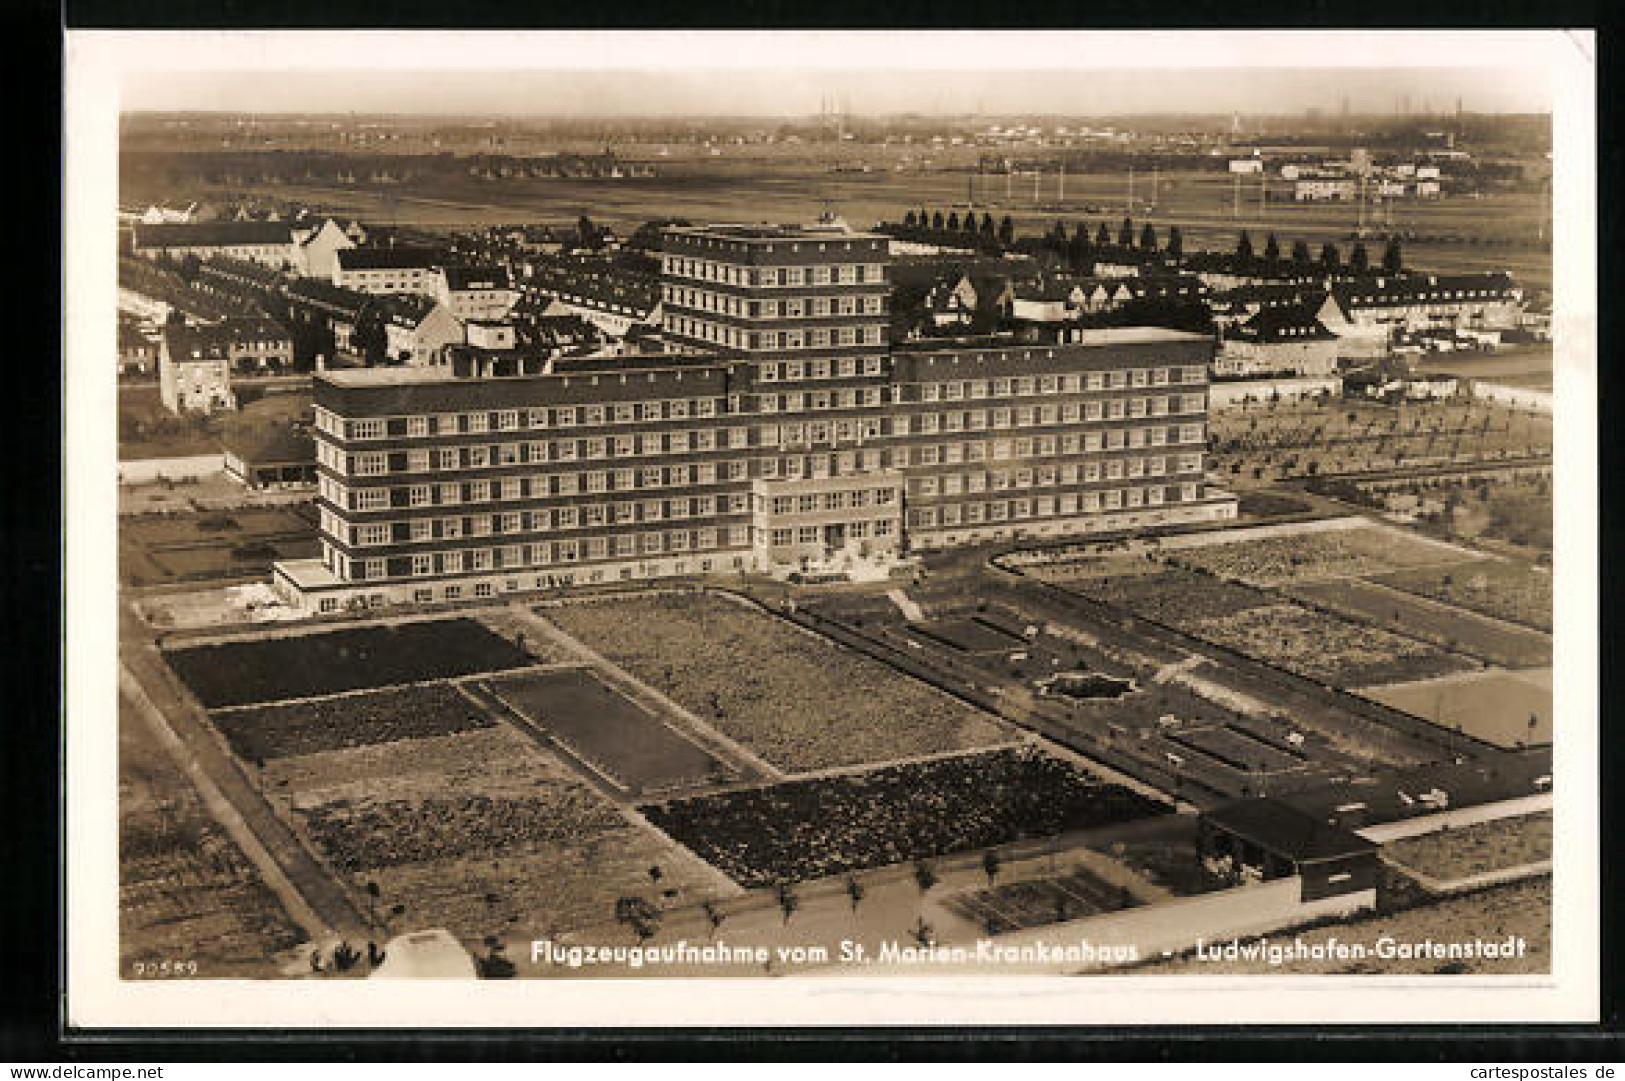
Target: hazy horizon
<point x="791" y="93"/>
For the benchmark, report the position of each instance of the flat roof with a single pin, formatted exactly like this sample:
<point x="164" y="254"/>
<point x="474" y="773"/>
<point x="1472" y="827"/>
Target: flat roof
<point x="1087" y="336"/>
<point x="1287" y="831"/>
<point x="768" y="232"/>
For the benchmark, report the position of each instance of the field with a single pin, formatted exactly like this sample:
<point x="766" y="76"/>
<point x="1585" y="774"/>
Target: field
<point x="261" y="733"/>
<point x="1496" y="643"/>
<point x="606" y="729"/>
<point x="248" y="671"/>
<point x="1496" y="706"/>
<point x="186" y="891"/>
<point x="479" y="832"/>
<point x="1453" y="854"/>
<point x="811" y="828"/>
<point x="1505" y="589"/>
<point x="1311" y="556"/>
<point x="1523" y="911"/>
<point x="1172" y="864"/>
<point x="796" y="699"/>
<point x="158" y="549"/>
<point x="1038" y="902"/>
<point x="1324" y="648"/>
<point x="1174" y="596"/>
<point x="1270" y="441"/>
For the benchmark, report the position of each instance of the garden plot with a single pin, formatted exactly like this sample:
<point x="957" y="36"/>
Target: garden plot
<point x="1482" y="848"/>
<point x="1495" y="642"/>
<point x="795" y="698"/>
<point x="603" y="727"/>
<point x="1325" y="648"/>
<point x="815" y="827"/>
<point x="261" y="733"/>
<point x="1508" y="709"/>
<point x="1312" y="555"/>
<point x="1175" y="597"/>
<point x="1038" y="902"/>
<point x="186" y="891"/>
<point x="252" y="670"/>
<point x="969" y="635"/>
<point x="1506" y="589"/>
<point x="1237" y="750"/>
<point x="481" y="832"/>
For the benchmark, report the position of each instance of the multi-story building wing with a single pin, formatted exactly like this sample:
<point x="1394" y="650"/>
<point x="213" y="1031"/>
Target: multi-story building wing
<point x="786" y="429"/>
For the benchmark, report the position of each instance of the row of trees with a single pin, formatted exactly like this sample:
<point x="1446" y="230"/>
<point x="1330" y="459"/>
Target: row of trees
<point x="985" y="231"/>
<point x="1393" y="259"/>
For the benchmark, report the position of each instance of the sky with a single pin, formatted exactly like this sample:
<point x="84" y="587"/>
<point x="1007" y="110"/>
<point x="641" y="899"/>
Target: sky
<point x="786" y="74"/>
<point x="792" y="92"/>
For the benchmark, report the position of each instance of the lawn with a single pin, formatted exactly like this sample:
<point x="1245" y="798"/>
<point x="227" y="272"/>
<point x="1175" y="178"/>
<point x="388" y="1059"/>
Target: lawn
<point x="186" y="891"/>
<point x="1495" y="706"/>
<point x="260" y="733"/>
<point x="1452" y="854"/>
<point x="1505" y="589"/>
<point x="251" y="670"/>
<point x="480" y="832"/>
<point x="797" y="699"/>
<point x="1496" y="643"/>
<point x="157" y="549"/>
<point x="1325" y="648"/>
<point x="970" y="635"/>
<point x="815" y="827"/>
<point x="605" y="728"/>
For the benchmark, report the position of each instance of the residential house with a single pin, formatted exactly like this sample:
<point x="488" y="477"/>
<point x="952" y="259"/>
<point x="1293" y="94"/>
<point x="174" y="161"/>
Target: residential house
<point x="319" y="247"/>
<point x="477" y="292"/>
<point x="417" y="328"/>
<point x="387" y="271"/>
<point x="194" y="369"/>
<point x="1277" y="341"/>
<point x="269" y="242"/>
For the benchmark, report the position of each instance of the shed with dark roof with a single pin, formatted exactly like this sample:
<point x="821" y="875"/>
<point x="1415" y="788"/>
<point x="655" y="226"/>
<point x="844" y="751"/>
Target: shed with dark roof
<point x="1276" y="840"/>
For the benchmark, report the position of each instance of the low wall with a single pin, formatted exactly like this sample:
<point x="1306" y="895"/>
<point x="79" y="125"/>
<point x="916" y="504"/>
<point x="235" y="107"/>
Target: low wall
<point x="1539" y="401"/>
<point x="1462" y="816"/>
<point x="1230" y="393"/>
<point x="152" y="470"/>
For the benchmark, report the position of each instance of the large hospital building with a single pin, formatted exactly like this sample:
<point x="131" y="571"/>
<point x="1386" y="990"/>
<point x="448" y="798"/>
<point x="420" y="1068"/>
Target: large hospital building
<point x="780" y="424"/>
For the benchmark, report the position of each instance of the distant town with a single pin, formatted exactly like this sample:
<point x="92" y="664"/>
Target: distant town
<point x="891" y="532"/>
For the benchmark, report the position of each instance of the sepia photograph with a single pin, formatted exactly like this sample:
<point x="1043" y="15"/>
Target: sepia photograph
<point x="830" y="527"/>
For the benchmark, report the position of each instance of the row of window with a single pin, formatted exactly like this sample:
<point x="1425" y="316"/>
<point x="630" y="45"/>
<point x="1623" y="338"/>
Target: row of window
<point x="1067" y="383"/>
<point x="1008" y="510"/>
<point x="1045" y="476"/>
<point x="815" y="502"/>
<point x="707" y="270"/>
<point x="819" y="368"/>
<point x="542" y="554"/>
<point x="1033" y="416"/>
<point x="588" y="516"/>
<point x="783" y="308"/>
<point x="536" y="486"/>
<point x="513" y="420"/>
<point x="736" y="338"/>
<point x="817" y="534"/>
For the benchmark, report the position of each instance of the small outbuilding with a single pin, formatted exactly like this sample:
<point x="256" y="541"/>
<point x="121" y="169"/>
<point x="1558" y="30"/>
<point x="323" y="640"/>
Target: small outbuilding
<point x="1274" y="839"/>
<point x="278" y="456"/>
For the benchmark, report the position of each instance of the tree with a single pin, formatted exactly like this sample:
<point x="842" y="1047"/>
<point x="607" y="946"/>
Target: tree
<point x="923" y="932"/>
<point x="936" y="221"/>
<point x="1359" y="258"/>
<point x="587" y="234"/>
<point x="1393" y="261"/>
<point x="990" y="866"/>
<point x="1148" y="237"/>
<point x="638" y="914"/>
<point x="1272" y="249"/>
<point x="925" y="876"/>
<point x="1103" y="236"/>
<point x="1329" y="257"/>
<point x="854" y="890"/>
<point x="1244" y="246"/>
<point x="1007" y="231"/>
<point x="713" y="915"/>
<point x="989" y="230"/>
<point x="909" y="220"/>
<point x="1125" y="233"/>
<point x="1176" y="242"/>
<point x="953" y="221"/>
<point x="1300" y="253"/>
<point x="788" y="901"/>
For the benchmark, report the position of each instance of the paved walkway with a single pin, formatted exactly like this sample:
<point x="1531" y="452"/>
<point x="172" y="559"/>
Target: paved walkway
<point x="201" y="754"/>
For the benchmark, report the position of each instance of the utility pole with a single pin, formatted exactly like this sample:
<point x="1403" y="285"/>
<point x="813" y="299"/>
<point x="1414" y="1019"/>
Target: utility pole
<point x="1154" y="175"/>
<point x="1236" y="211"/>
<point x="1130" y="203"/>
<point x="1038" y="178"/>
<point x="1060" y="184"/>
